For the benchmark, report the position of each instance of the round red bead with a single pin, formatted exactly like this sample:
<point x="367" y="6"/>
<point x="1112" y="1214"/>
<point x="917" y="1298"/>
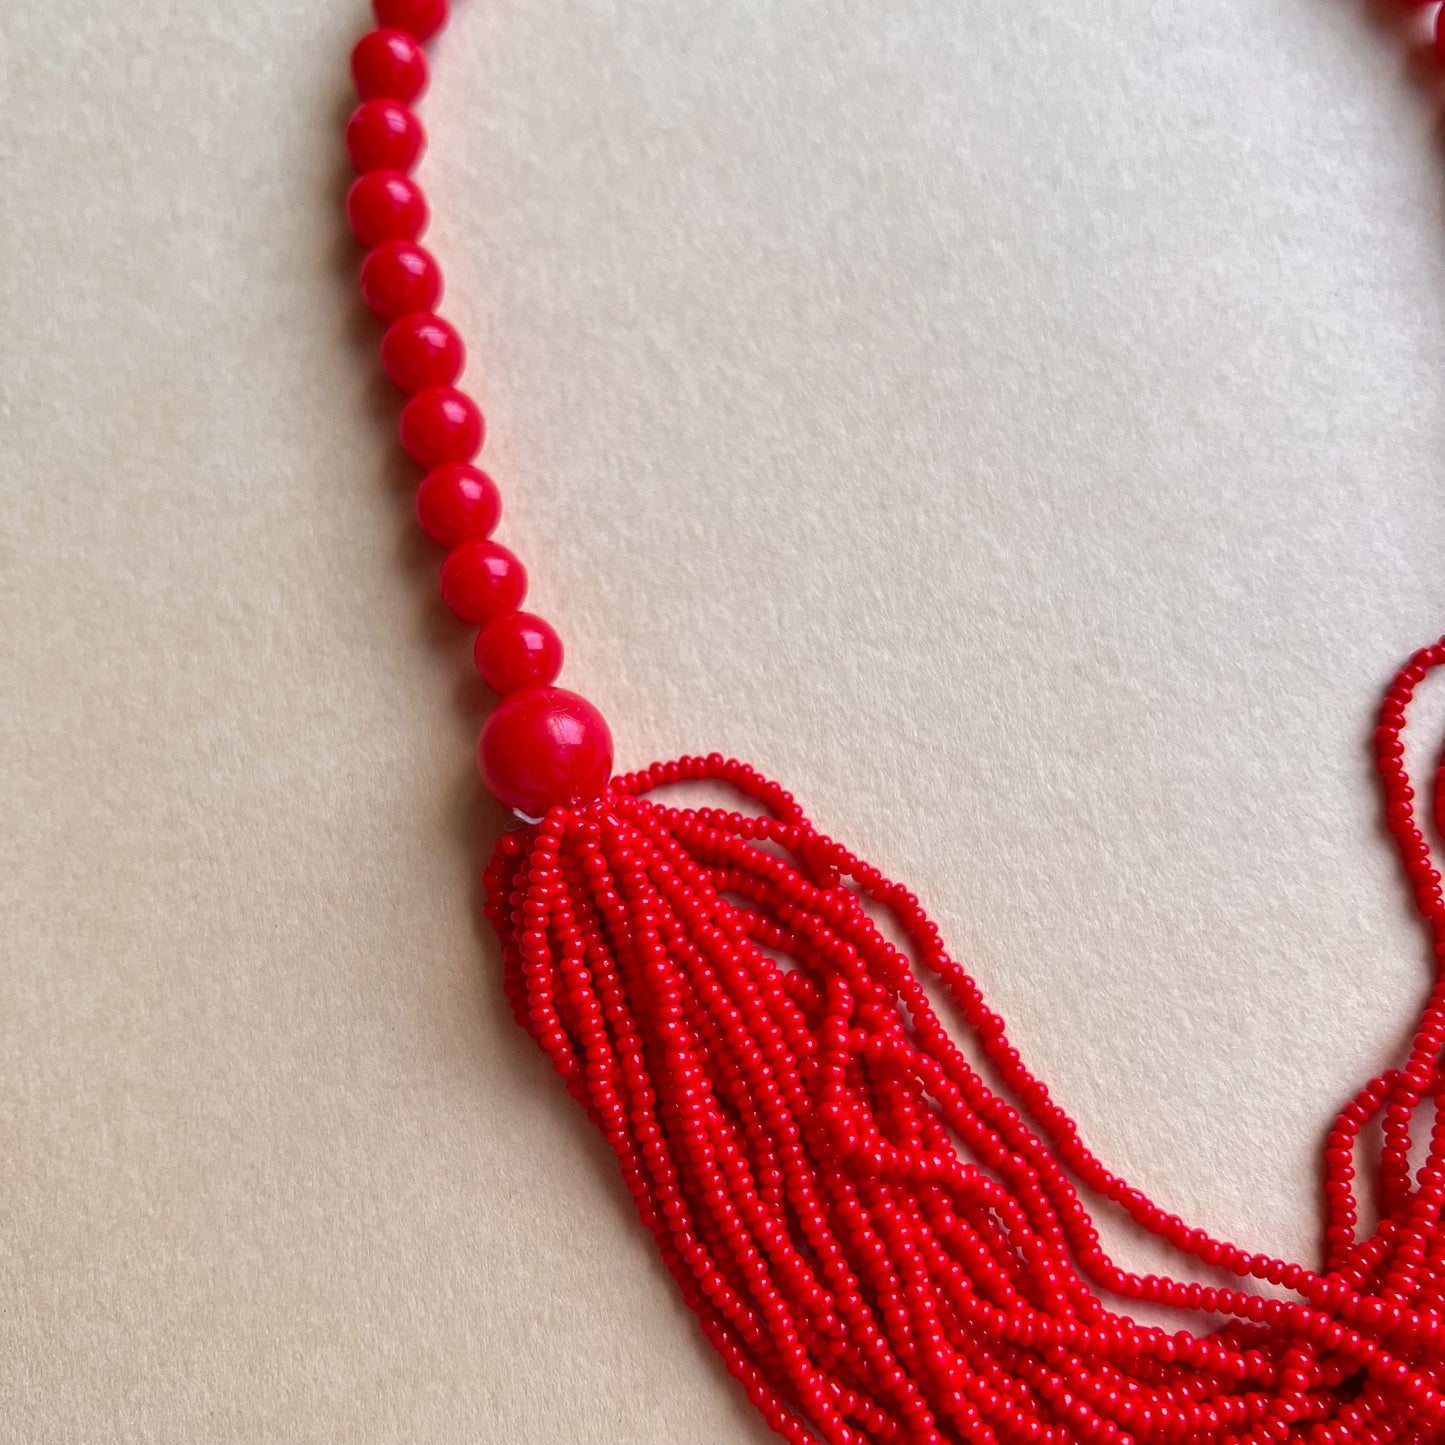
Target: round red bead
<point x="456" y="503"/>
<point x="481" y="580"/>
<point x="421" y="18"/>
<point x="399" y="277"/>
<point x="545" y="747"/>
<point x="440" y="425"/>
<point x="386" y="206"/>
<point x="383" y="135"/>
<point x="518" y="650"/>
<point x="388" y="63"/>
<point x="421" y="350"/>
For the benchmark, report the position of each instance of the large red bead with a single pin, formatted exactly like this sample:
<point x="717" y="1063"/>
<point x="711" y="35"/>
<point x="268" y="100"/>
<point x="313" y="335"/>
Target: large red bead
<point x="399" y="277"/>
<point x="388" y="63"/>
<point x="422" y="350"/>
<point x="383" y="135"/>
<point x="386" y="206"/>
<point x="545" y="747"/>
<point x="440" y="425"/>
<point x="456" y="503"/>
<point x="481" y="580"/>
<point x="518" y="650"/>
<point x="421" y="18"/>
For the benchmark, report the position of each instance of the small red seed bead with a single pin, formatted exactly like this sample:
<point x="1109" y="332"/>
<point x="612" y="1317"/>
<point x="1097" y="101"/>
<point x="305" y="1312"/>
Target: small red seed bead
<point x="518" y="650"/>
<point x="544" y="747"/>
<point x="440" y="425"/>
<point x="383" y="135"/>
<point x="386" y="206"/>
<point x="421" y="18"/>
<point x="421" y="350"/>
<point x="389" y="63"/>
<point x="480" y="580"/>
<point x="399" y="277"/>
<point x="456" y="503"/>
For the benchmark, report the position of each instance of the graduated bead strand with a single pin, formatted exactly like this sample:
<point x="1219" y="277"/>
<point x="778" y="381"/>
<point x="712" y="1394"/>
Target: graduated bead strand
<point x="542" y="745"/>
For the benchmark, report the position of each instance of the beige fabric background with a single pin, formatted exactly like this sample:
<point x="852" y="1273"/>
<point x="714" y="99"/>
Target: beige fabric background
<point x="1017" y="426"/>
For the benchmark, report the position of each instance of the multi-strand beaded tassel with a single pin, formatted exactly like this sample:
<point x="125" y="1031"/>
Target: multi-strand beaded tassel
<point x="880" y="1246"/>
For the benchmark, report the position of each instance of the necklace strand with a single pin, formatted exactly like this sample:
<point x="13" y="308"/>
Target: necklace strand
<point x="880" y="1246"/>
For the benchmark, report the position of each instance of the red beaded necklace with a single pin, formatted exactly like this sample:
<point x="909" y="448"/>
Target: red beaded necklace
<point x="880" y="1246"/>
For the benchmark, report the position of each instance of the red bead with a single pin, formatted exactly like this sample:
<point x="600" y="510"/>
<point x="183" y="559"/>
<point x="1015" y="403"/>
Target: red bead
<point x="383" y="135"/>
<point x="440" y="425"/>
<point x="386" y="206"/>
<point x="421" y="350"/>
<point x="518" y="650"/>
<point x="399" y="277"/>
<point x="421" y="18"/>
<point x="545" y="747"/>
<point x="481" y="580"/>
<point x="388" y="63"/>
<point x="456" y="503"/>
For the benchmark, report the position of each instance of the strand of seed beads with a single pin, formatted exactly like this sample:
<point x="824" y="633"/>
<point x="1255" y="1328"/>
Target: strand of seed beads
<point x="542" y="746"/>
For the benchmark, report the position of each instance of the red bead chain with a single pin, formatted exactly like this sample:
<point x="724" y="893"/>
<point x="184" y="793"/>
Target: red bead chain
<point x="543" y="745"/>
<point x="881" y="1246"/>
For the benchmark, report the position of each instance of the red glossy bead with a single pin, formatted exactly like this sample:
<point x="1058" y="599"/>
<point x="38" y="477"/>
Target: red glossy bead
<point x="440" y="425"/>
<point x="399" y="277"/>
<point x="481" y="580"/>
<point x="386" y="206"/>
<point x="421" y="350"/>
<point x="388" y="63"/>
<point x="456" y="503"/>
<point x="383" y="135"/>
<point x="518" y="650"/>
<point x="545" y="747"/>
<point x="421" y="18"/>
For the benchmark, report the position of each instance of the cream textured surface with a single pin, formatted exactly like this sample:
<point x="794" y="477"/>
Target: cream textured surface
<point x="1017" y="427"/>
